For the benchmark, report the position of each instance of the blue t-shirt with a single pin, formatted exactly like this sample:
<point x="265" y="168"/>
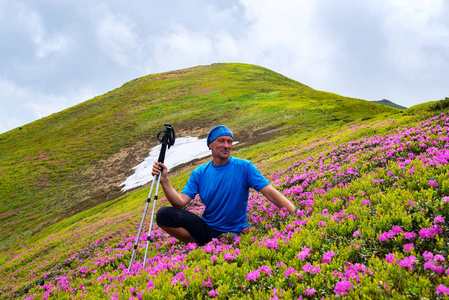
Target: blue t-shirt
<point x="224" y="190"/>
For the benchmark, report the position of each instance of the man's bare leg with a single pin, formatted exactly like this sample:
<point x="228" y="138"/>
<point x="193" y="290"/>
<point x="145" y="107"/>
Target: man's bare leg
<point x="180" y="233"/>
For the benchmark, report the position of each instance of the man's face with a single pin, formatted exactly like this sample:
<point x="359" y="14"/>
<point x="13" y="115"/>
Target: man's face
<point x="221" y="147"/>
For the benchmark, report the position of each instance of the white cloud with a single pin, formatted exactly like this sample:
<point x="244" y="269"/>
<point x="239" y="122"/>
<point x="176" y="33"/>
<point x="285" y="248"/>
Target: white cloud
<point x="418" y="36"/>
<point x="280" y="37"/>
<point x="45" y="43"/>
<point x="48" y="46"/>
<point x="116" y="37"/>
<point x="9" y="90"/>
<point x="285" y="37"/>
<point x="222" y="16"/>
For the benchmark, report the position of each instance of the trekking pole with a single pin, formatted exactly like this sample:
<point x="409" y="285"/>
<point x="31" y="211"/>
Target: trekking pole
<point x="168" y="139"/>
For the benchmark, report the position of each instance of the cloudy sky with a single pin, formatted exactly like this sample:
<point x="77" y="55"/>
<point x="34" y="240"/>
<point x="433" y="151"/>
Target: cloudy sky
<point x="57" y="53"/>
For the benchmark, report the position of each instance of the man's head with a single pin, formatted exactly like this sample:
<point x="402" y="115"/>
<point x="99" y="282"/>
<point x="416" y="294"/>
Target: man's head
<point x="217" y="132"/>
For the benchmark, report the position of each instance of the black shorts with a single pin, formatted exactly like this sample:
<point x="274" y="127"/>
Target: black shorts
<point x="177" y="217"/>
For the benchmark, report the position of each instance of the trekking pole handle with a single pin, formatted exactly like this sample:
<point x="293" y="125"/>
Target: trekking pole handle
<point x="168" y="139"/>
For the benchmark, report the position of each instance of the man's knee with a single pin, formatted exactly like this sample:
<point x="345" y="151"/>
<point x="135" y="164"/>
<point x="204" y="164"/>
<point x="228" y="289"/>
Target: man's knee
<point x="164" y="217"/>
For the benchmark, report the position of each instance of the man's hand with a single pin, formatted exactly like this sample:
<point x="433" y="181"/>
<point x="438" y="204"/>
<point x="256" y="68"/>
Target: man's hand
<point x="159" y="167"/>
<point x="177" y="200"/>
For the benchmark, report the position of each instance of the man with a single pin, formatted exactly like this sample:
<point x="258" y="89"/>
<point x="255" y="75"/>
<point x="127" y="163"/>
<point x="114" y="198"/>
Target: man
<point x="223" y="185"/>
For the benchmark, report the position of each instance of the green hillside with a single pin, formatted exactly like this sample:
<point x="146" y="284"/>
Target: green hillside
<point x="74" y="160"/>
<point x="370" y="183"/>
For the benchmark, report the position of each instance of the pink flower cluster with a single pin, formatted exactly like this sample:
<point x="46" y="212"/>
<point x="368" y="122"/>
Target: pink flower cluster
<point x="254" y="275"/>
<point x="304" y="253"/>
<point x="433" y="262"/>
<point x="441" y="289"/>
<point x="429" y="233"/>
<point x="308" y="267"/>
<point x="342" y="287"/>
<point x="327" y="257"/>
<point x="407" y="262"/>
<point x="390" y="234"/>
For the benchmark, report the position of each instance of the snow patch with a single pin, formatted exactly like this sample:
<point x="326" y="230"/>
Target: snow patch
<point x="184" y="150"/>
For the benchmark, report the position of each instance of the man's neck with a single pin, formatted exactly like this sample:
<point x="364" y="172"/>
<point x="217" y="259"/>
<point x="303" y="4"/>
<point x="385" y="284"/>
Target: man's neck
<point x="219" y="162"/>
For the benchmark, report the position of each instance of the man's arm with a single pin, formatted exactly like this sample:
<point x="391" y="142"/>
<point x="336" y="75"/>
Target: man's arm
<point x="176" y="199"/>
<point x="275" y="197"/>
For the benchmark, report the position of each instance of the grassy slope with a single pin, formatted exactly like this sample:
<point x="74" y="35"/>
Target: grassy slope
<point x="74" y="160"/>
<point x="95" y="239"/>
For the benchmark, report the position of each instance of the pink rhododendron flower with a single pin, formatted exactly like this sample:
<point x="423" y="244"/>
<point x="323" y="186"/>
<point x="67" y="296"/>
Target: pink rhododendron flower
<point x="441" y="289"/>
<point x="309" y="291"/>
<point x="438" y="269"/>
<point x="425" y="233"/>
<point x="228" y="256"/>
<point x="207" y="283"/>
<point x="356" y="233"/>
<point x="342" y="287"/>
<point x="439" y="257"/>
<point x="327" y="257"/>
<point x="213" y="293"/>
<point x="397" y="229"/>
<point x="308" y="267"/>
<point x="265" y="269"/>
<point x="298" y="190"/>
<point x="407" y="262"/>
<point x="179" y="278"/>
<point x="254" y="275"/>
<point x="280" y="264"/>
<point x="390" y="258"/>
<point x="275" y="294"/>
<point x="436" y="229"/>
<point x="409" y="235"/>
<point x="365" y="202"/>
<point x="433" y="183"/>
<point x="407" y="247"/>
<point x="304" y="253"/>
<point x="270" y="243"/>
<point x="289" y="271"/>
<point x="427" y="255"/>
<point x="382" y="237"/>
<point x="150" y="285"/>
<point x="429" y="265"/>
<point x="438" y="219"/>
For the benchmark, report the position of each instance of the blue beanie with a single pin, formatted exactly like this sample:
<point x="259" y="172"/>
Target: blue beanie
<point x="218" y="131"/>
